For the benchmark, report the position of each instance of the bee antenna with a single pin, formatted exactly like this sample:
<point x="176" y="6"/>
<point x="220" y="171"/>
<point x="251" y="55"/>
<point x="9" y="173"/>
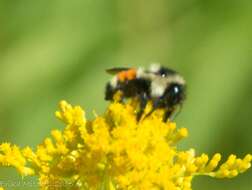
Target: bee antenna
<point x="177" y="112"/>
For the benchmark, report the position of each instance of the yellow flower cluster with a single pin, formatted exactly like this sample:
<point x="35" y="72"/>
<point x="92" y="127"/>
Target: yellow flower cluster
<point x="115" y="152"/>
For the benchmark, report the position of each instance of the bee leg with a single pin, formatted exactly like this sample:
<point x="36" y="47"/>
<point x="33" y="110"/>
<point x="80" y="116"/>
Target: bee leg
<point x="154" y="107"/>
<point x="168" y="114"/>
<point x="143" y="102"/>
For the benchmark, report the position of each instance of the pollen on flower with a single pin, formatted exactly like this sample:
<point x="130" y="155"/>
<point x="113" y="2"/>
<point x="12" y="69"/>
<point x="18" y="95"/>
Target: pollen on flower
<point x="115" y="152"/>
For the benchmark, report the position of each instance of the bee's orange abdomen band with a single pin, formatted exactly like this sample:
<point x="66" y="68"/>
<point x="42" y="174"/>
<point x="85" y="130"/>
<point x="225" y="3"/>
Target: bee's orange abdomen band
<point x="127" y="75"/>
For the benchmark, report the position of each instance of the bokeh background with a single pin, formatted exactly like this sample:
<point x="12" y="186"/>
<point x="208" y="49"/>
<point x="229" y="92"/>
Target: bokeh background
<point x="54" y="50"/>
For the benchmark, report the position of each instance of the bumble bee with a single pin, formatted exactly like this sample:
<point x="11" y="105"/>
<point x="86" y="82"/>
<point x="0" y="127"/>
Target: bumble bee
<point x="164" y="87"/>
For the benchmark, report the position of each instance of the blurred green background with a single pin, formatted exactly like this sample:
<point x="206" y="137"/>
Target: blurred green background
<point x="58" y="49"/>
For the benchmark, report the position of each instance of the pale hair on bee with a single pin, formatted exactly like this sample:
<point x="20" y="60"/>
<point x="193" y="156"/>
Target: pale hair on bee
<point x="154" y="67"/>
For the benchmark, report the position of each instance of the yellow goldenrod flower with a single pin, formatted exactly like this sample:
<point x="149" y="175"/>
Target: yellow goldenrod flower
<point x="115" y="152"/>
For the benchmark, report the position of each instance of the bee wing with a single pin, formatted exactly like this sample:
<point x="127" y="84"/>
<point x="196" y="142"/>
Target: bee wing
<point x="114" y="71"/>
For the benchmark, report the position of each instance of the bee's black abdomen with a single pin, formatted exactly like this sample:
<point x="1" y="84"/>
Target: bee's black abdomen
<point x="129" y="88"/>
<point x="109" y="92"/>
<point x="135" y="87"/>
